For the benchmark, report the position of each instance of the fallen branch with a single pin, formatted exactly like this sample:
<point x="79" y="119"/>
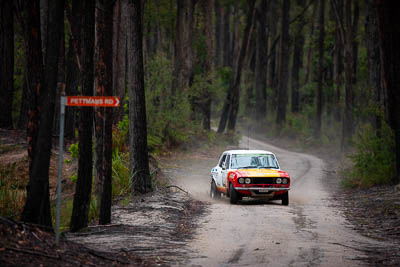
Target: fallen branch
<point x="177" y="187"/>
<point x="33" y="252"/>
<point x="96" y="254"/>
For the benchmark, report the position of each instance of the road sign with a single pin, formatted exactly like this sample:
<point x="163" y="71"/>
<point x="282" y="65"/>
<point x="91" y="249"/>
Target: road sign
<point x="87" y="101"/>
<point x="93" y="101"/>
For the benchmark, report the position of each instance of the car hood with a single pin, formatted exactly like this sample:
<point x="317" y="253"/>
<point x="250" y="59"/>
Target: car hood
<point x="260" y="173"/>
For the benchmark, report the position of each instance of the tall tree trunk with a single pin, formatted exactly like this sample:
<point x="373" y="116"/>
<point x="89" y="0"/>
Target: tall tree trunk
<point x="34" y="77"/>
<point x="183" y="46"/>
<point x="99" y="91"/>
<point x="283" y="65"/>
<point x="119" y="54"/>
<point x="272" y="77"/>
<point x="261" y="62"/>
<point x="310" y="51"/>
<point x="80" y="211"/>
<point x="348" y="117"/>
<point x="44" y="21"/>
<point x="234" y="108"/>
<point x="389" y="36"/>
<point x="226" y="109"/>
<point x="139" y="159"/>
<point x="206" y="99"/>
<point x="355" y="26"/>
<point x="60" y="82"/>
<point x="73" y="63"/>
<point x="105" y="56"/>
<point x="338" y="63"/>
<point x="297" y="60"/>
<point x="71" y="88"/>
<point x="219" y="11"/>
<point x="37" y="206"/>
<point x="226" y="33"/>
<point x="321" y="37"/>
<point x="374" y="63"/>
<point x="7" y="63"/>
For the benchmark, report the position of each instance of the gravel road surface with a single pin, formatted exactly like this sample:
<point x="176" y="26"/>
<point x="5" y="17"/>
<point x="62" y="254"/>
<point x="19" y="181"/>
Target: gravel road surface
<point x="311" y="231"/>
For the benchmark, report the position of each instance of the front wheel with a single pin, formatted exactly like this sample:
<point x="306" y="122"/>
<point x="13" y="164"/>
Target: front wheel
<point x="285" y="199"/>
<point x="233" y="195"/>
<point x="214" y="193"/>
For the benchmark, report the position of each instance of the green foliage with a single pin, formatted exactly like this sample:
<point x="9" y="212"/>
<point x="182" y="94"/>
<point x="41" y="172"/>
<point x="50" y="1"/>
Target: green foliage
<point x="168" y="116"/>
<point x="94" y="209"/>
<point x="74" y="150"/>
<point x="74" y="177"/>
<point x="65" y="213"/>
<point x="12" y="192"/>
<point x="374" y="159"/>
<point x="121" y="184"/>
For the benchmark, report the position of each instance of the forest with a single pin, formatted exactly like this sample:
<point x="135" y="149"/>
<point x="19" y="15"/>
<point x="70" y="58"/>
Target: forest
<point x="319" y="72"/>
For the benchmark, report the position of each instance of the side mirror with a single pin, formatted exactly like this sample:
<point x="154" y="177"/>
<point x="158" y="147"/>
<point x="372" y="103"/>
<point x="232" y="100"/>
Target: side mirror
<point x="223" y="166"/>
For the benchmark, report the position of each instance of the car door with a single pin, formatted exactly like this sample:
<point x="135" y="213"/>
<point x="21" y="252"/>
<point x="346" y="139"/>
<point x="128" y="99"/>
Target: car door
<point x="219" y="170"/>
<point x="225" y="169"/>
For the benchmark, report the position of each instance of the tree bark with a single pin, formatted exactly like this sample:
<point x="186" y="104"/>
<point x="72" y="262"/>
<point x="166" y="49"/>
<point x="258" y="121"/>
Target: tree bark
<point x="226" y="33"/>
<point x="80" y="211"/>
<point x="283" y="65"/>
<point x="219" y="11"/>
<point x="234" y="106"/>
<point x="297" y="60"/>
<point x="206" y="99"/>
<point x="119" y="55"/>
<point x="139" y="160"/>
<point x="310" y="51"/>
<point x="321" y="37"/>
<point x="7" y="63"/>
<point x="100" y="80"/>
<point x="348" y="117"/>
<point x="73" y="65"/>
<point x="272" y="77"/>
<point x="37" y="206"/>
<point x="183" y="46"/>
<point x="389" y="36"/>
<point x="338" y="63"/>
<point x="105" y="78"/>
<point x="71" y="88"/>
<point x="261" y="62"/>
<point x="374" y="63"/>
<point x="44" y="21"/>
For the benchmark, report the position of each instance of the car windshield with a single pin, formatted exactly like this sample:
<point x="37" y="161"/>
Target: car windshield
<point x="250" y="161"/>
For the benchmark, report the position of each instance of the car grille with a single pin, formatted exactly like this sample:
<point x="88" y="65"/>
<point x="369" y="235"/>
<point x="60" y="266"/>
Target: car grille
<point x="263" y="180"/>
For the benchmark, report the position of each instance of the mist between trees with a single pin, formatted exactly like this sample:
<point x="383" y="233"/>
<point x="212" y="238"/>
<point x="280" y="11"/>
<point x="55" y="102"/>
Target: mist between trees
<point x="321" y="72"/>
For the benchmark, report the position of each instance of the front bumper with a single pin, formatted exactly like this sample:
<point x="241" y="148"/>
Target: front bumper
<point x="262" y="188"/>
<point x="262" y="192"/>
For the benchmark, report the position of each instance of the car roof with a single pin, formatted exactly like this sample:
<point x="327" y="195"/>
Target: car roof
<point x="250" y="151"/>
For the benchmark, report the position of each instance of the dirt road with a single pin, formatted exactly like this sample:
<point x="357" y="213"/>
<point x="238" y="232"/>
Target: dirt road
<point x="308" y="232"/>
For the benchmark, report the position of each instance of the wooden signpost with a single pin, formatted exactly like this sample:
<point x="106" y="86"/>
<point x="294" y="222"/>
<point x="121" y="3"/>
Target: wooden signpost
<point x="76" y="101"/>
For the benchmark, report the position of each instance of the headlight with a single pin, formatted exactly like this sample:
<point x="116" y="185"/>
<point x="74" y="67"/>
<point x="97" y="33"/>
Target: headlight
<point x="241" y="180"/>
<point x="284" y="181"/>
<point x="278" y="180"/>
<point x="248" y="180"/>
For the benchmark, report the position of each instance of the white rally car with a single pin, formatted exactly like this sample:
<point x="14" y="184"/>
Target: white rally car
<point x="249" y="173"/>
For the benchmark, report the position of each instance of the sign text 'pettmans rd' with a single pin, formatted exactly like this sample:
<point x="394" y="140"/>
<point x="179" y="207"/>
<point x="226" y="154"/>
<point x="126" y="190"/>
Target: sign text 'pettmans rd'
<point x="93" y="101"/>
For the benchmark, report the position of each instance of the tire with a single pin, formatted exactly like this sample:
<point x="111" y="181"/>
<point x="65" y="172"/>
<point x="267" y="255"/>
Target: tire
<point x="214" y="193"/>
<point x="233" y="195"/>
<point x="285" y="199"/>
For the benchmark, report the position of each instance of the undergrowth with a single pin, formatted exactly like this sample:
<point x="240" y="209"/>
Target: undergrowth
<point x="12" y="192"/>
<point x="374" y="159"/>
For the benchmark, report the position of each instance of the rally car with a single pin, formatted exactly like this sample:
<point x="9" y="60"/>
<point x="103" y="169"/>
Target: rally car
<point x="249" y="173"/>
